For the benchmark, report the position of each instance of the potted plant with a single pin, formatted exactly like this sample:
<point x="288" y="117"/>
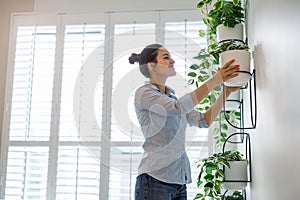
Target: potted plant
<point x="212" y="173"/>
<point x="224" y="19"/>
<point x="236" y="195"/>
<point x="240" y="52"/>
<point x="236" y="175"/>
<point x="206" y="69"/>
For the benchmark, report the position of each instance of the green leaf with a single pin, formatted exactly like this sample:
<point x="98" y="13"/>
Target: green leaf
<point x="208" y="2"/>
<point x="224" y="127"/>
<point x="203" y="78"/>
<point x="192" y="74"/>
<point x="201" y="56"/>
<point x="238" y="114"/>
<point x="203" y="72"/>
<point x="199" y="183"/>
<point x="218" y="5"/>
<point x="209" y="178"/>
<point x="198" y="196"/>
<point x="216" y="130"/>
<point x="205" y="21"/>
<point x="235" y="2"/>
<point x="218" y="182"/>
<point x="194" y="67"/>
<point x="209" y="185"/>
<point x="204" y="101"/>
<point x="220" y="173"/>
<point x="200" y="4"/>
<point x="191" y="81"/>
<point x="202" y="33"/>
<point x="207" y="64"/>
<point x="209" y="170"/>
<point x="226" y="115"/>
<point x="224" y="135"/>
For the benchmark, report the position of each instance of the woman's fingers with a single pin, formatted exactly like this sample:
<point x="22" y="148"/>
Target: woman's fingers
<point x="228" y="63"/>
<point x="229" y="72"/>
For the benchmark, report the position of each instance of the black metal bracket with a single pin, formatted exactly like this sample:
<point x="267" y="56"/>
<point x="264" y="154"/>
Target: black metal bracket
<point x="247" y="152"/>
<point x="228" y="40"/>
<point x="253" y="103"/>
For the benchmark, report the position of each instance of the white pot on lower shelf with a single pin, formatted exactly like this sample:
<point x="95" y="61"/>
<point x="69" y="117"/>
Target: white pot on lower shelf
<point x="242" y="57"/>
<point x="238" y="174"/>
<point x="233" y="101"/>
<point x="227" y="33"/>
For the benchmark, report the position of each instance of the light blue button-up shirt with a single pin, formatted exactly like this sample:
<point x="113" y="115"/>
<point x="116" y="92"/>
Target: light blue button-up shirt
<point x="163" y="119"/>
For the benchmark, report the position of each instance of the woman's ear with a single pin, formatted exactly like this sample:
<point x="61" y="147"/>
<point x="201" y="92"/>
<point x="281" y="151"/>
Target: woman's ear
<point x="151" y="66"/>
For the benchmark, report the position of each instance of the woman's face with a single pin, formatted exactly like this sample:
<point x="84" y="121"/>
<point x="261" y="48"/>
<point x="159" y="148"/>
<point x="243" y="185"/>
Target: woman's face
<point x="165" y="64"/>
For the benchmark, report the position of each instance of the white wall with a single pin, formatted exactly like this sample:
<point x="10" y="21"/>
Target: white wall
<point x="274" y="31"/>
<point x="111" y="5"/>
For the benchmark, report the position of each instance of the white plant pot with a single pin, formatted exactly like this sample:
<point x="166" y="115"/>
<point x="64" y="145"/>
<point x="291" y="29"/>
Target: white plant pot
<point x="228" y="33"/>
<point x="233" y="101"/>
<point x="242" y="57"/>
<point x="238" y="171"/>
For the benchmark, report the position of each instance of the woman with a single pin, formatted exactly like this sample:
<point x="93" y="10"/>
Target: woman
<point x="164" y="169"/>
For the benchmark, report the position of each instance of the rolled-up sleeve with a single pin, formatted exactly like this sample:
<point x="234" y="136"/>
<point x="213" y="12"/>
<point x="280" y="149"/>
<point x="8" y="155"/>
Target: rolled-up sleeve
<point x="195" y="118"/>
<point x="154" y="101"/>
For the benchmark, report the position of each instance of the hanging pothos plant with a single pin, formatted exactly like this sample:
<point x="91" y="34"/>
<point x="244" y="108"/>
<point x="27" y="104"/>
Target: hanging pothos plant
<point x="211" y="174"/>
<point x="228" y="13"/>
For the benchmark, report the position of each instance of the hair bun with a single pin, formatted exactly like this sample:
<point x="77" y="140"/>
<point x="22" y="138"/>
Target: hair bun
<point x="134" y="58"/>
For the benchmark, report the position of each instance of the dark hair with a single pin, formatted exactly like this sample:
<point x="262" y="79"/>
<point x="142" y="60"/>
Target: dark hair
<point x="148" y="54"/>
<point x="134" y="58"/>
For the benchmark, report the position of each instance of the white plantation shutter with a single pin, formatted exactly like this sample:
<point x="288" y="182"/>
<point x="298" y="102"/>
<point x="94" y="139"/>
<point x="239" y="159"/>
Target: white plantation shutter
<point x="78" y="174"/>
<point x="78" y="165"/>
<point x="33" y="83"/>
<point x="30" y="117"/>
<point x="81" y="41"/>
<point x="27" y="172"/>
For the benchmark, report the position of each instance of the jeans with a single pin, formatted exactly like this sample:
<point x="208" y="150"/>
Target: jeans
<point x="149" y="188"/>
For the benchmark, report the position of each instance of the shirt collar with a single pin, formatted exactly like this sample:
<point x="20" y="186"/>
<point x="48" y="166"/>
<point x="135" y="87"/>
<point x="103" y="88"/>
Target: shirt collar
<point x="168" y="89"/>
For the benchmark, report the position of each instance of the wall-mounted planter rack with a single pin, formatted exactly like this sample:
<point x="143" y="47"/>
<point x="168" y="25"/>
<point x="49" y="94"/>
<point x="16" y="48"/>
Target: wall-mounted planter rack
<point x="239" y="184"/>
<point x="240" y="113"/>
<point x="244" y="138"/>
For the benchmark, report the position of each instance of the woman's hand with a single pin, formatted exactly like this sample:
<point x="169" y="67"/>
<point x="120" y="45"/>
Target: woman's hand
<point x="222" y="75"/>
<point x="227" y="71"/>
